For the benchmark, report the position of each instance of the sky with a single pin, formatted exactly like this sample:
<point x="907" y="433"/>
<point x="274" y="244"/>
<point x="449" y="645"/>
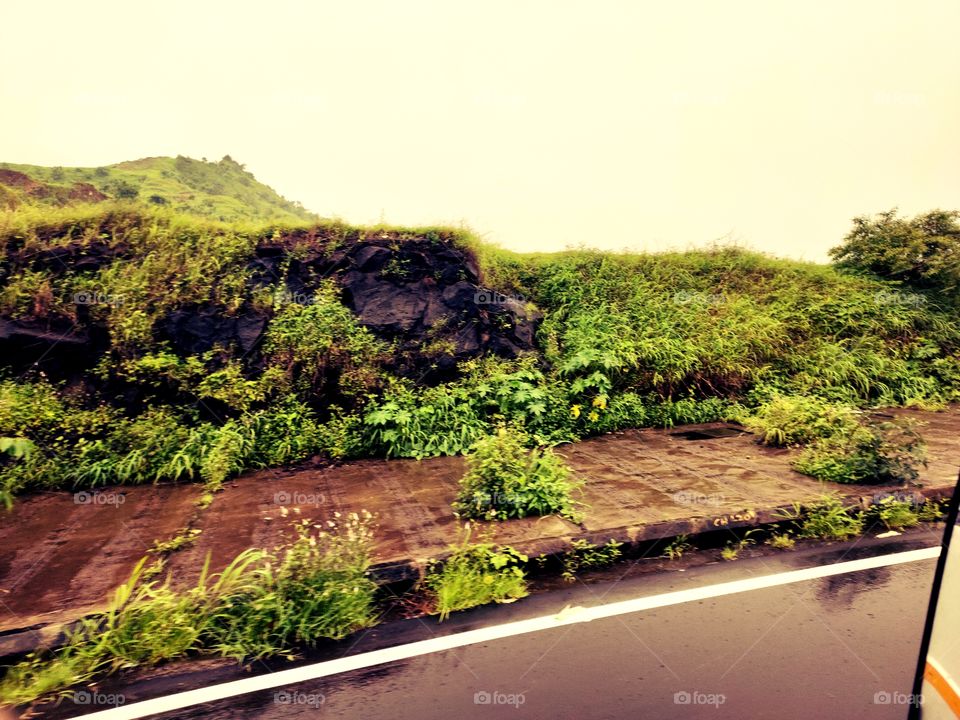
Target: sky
<point x="540" y="125"/>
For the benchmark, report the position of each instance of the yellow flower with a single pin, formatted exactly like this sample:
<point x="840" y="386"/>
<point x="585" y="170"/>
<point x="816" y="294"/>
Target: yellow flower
<point x="593" y="416"/>
<point x="575" y="411"/>
<point x="600" y="402"/>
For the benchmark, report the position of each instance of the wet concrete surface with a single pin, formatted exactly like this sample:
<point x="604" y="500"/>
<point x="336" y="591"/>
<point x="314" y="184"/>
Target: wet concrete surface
<point x="59" y="558"/>
<point x="843" y="646"/>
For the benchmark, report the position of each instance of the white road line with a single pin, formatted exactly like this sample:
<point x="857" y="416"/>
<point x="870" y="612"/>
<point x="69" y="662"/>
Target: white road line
<point x="568" y="616"/>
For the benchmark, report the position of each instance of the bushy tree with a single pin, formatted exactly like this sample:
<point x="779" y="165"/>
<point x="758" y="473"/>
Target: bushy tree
<point x="923" y="252"/>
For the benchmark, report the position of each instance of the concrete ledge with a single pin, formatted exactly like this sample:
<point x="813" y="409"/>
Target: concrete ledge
<point x="15" y="644"/>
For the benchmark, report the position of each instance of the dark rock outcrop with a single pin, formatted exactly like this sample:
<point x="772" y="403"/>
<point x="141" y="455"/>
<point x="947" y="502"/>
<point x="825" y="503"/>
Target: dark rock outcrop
<point x="194" y="329"/>
<point x="59" y="349"/>
<point x="416" y="292"/>
<point x="422" y="294"/>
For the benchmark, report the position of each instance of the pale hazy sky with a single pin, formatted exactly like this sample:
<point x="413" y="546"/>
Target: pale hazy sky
<point x="646" y="125"/>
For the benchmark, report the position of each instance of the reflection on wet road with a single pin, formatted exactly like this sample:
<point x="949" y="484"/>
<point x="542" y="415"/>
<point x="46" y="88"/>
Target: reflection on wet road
<point x="840" y="646"/>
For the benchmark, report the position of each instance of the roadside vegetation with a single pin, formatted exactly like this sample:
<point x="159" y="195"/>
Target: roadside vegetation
<point x="265" y="602"/>
<point x="584" y="555"/>
<point x="793" y="349"/>
<point x="316" y="585"/>
<point x="475" y="574"/>
<point x="841" y="443"/>
<point x="505" y="480"/>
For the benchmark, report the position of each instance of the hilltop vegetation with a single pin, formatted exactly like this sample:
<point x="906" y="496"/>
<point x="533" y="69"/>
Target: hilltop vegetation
<point x="142" y="344"/>
<point x="222" y="190"/>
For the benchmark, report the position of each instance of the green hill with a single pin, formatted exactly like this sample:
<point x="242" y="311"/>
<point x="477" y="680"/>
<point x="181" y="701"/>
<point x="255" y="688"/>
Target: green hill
<point x="222" y="190"/>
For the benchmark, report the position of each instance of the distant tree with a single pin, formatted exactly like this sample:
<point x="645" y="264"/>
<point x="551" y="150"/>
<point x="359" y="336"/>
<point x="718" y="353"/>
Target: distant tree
<point x="125" y="190"/>
<point x="227" y="160"/>
<point x="101" y="172"/>
<point x="57" y="174"/>
<point x="923" y="252"/>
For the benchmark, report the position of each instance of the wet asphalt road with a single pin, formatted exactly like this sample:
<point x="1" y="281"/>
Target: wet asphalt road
<point x="836" y="647"/>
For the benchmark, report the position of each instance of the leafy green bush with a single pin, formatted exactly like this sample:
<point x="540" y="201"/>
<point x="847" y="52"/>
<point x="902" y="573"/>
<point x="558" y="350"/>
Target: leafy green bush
<point x="437" y="421"/>
<point x="887" y="452"/>
<point x="796" y="420"/>
<point x="476" y="575"/>
<point x="505" y="480"/>
<point x="893" y="513"/>
<point x="826" y="519"/>
<point x="312" y="342"/>
<point x="921" y="251"/>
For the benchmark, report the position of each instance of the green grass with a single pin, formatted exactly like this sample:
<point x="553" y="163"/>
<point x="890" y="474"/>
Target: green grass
<point x="792" y="349"/>
<point x="263" y="603"/>
<point x="221" y="190"/>
<point x="475" y="574"/>
<point x="825" y="519"/>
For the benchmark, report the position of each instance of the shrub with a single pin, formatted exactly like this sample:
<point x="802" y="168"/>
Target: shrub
<point x="321" y="341"/>
<point x="439" y="421"/>
<point x="825" y="519"/>
<point x="921" y="251"/>
<point x="895" y="514"/>
<point x="887" y="452"/>
<point x="505" y="480"/>
<point x="786" y="420"/>
<point x="476" y="575"/>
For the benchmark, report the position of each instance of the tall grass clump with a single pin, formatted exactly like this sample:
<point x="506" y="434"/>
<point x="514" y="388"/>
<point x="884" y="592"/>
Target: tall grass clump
<point x="265" y="602"/>
<point x="475" y="574"/>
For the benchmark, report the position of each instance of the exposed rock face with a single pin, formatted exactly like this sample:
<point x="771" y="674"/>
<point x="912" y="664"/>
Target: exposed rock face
<point x="415" y="292"/>
<point x="423" y="294"/>
<point x="58" y="348"/>
<point x="194" y="329"/>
